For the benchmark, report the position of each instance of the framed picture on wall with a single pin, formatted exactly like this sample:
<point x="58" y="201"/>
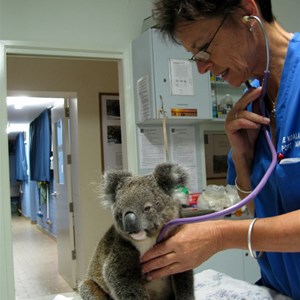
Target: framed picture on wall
<point x="111" y="137"/>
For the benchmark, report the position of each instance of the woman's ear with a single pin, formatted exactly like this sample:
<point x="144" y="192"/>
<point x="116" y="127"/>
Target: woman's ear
<point x="250" y="8"/>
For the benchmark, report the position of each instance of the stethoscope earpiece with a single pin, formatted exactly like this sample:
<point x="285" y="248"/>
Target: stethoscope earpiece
<point x="245" y="19"/>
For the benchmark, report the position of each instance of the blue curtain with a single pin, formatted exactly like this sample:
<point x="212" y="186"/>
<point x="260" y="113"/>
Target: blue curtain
<point x="40" y="147"/>
<point x="21" y="161"/>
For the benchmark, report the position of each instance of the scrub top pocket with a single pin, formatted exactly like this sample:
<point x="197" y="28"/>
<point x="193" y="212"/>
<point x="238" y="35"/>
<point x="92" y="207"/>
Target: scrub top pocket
<point x="288" y="181"/>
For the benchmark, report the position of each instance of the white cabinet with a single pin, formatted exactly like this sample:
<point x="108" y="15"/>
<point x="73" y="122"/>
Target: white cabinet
<point x="235" y="263"/>
<point x="163" y="76"/>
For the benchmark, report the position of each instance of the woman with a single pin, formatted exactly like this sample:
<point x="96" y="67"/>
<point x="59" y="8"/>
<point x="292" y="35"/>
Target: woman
<point x="225" y="41"/>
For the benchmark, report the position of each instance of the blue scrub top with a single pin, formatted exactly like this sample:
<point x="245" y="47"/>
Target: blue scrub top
<point x="281" y="194"/>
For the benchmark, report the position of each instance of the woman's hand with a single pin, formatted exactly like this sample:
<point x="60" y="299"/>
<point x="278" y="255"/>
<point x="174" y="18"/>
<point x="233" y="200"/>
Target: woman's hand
<point x="191" y="245"/>
<point x="242" y="127"/>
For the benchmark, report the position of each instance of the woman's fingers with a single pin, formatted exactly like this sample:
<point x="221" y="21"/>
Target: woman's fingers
<point x="240" y="118"/>
<point x="252" y="117"/>
<point x="242" y="104"/>
<point x="160" y="266"/>
<point x="157" y="251"/>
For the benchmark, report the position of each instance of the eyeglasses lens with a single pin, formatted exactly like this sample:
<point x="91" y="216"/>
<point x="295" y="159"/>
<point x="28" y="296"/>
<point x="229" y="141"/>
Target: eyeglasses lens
<point x="202" y="56"/>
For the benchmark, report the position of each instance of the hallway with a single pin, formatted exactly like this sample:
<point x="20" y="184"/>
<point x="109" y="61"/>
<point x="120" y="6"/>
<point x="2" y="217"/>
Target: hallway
<point x="35" y="263"/>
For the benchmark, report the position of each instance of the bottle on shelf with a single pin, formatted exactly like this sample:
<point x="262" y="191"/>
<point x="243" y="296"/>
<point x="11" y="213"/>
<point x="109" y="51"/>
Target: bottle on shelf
<point x="214" y="104"/>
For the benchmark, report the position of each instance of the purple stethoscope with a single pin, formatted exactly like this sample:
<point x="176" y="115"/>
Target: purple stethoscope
<point x="259" y="187"/>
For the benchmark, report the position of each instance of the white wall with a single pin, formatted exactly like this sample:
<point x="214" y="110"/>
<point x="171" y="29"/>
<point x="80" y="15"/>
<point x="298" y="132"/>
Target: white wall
<point x="287" y="13"/>
<point x="106" y="25"/>
<point x="6" y="269"/>
<point x="85" y="28"/>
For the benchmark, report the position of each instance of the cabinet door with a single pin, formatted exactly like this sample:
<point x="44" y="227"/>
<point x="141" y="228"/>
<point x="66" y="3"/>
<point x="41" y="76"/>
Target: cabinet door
<point x="251" y="268"/>
<point x="229" y="262"/>
<point x="223" y="96"/>
<point x="235" y="263"/>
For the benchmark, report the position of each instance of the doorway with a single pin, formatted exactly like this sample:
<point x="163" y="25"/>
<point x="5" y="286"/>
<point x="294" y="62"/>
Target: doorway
<point x="46" y="212"/>
<point x="86" y="79"/>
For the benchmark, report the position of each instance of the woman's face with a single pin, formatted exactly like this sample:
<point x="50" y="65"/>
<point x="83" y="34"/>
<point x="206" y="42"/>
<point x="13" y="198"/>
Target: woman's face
<point x="233" y="50"/>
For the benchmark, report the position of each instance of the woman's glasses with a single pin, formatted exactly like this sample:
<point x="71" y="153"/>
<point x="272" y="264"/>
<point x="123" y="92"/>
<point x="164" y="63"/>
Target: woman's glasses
<point x="203" y="55"/>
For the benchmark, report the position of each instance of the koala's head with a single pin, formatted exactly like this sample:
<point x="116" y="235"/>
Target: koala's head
<point x="142" y="205"/>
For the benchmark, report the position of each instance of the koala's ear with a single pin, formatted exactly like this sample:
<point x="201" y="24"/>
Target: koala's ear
<point x="168" y="176"/>
<point x="110" y="184"/>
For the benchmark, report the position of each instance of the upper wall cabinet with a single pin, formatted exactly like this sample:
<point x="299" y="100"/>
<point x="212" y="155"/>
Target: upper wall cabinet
<point x="166" y="81"/>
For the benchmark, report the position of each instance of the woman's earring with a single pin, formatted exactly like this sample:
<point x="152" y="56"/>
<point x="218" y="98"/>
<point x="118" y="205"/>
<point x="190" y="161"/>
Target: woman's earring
<point x="251" y="28"/>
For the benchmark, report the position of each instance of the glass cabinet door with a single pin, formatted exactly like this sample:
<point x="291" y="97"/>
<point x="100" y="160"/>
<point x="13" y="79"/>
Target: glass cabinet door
<point x="223" y="96"/>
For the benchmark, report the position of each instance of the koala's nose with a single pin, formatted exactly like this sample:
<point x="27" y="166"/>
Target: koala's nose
<point x="130" y="223"/>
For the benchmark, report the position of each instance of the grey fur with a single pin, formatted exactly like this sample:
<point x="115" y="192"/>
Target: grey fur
<point x="141" y="205"/>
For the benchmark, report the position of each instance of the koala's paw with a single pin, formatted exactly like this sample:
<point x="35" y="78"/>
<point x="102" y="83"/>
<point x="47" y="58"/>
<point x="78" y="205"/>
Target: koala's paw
<point x="90" y="290"/>
<point x="127" y="295"/>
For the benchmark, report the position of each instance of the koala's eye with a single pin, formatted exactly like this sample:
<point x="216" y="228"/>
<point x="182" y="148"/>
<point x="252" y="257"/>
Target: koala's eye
<point x="147" y="207"/>
<point x="119" y="216"/>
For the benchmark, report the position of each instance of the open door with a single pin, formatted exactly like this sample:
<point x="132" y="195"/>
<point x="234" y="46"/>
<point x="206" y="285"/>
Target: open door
<point x="62" y="192"/>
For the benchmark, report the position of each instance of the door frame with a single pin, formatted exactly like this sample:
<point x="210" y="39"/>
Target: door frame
<point x="125" y="79"/>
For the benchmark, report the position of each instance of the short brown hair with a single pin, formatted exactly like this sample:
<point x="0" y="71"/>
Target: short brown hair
<point x="168" y="13"/>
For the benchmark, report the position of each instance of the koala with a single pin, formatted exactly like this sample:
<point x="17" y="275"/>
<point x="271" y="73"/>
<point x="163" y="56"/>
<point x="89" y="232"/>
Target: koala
<point x="141" y="206"/>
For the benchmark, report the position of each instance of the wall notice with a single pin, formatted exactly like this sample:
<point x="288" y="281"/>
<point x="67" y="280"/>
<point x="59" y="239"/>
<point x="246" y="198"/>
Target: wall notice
<point x="181" y="75"/>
